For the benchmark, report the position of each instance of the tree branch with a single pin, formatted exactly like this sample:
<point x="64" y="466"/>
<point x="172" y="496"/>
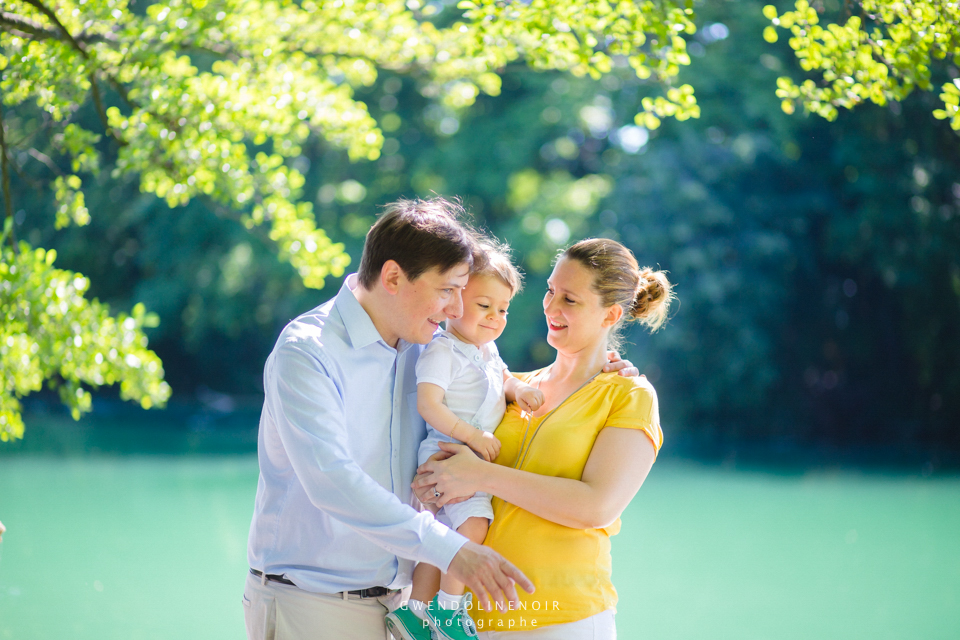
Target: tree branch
<point x="42" y="8"/>
<point x="47" y="122"/>
<point x="28" y="28"/>
<point x="109" y="37"/>
<point x="222" y="211"/>
<point x="41" y="157"/>
<point x="98" y="103"/>
<point x="37" y="186"/>
<point x="211" y="47"/>
<point x="5" y="177"/>
<point x="124" y="94"/>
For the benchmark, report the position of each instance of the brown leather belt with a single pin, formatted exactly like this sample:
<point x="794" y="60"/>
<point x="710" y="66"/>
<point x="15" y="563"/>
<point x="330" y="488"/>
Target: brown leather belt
<point x="372" y="592"/>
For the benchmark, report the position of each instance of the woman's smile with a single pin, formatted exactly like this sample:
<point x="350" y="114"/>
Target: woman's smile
<point x="554" y="325"/>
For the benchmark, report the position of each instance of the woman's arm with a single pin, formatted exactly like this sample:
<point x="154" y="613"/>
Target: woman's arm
<point x="618" y="464"/>
<point x="440" y="417"/>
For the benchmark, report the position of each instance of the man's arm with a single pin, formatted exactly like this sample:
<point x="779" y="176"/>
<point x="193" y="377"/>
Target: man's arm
<point x="310" y="416"/>
<point x="309" y="413"/>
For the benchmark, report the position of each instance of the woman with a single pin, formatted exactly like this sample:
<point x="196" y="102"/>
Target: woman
<point x="567" y="471"/>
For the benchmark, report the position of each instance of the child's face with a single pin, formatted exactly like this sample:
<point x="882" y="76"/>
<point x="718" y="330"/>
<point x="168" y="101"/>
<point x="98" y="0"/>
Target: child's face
<point x="485" y="303"/>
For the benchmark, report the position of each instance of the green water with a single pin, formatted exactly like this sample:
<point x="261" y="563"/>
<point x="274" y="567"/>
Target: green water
<point x="154" y="547"/>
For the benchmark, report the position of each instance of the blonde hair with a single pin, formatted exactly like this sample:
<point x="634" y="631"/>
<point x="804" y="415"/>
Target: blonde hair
<point x="495" y="262"/>
<point x="644" y="294"/>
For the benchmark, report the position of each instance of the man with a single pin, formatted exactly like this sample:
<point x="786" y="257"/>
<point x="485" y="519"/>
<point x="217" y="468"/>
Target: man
<point x="333" y="537"/>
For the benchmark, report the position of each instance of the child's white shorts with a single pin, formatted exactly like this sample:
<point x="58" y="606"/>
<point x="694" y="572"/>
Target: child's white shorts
<point x="454" y="515"/>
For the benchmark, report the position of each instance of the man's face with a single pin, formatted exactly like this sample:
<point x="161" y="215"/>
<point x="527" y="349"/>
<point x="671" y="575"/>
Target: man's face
<point x="429" y="300"/>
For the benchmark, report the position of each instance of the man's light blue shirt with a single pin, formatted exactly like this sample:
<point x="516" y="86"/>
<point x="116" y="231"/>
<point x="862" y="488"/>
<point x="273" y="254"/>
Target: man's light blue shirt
<point x="338" y="442"/>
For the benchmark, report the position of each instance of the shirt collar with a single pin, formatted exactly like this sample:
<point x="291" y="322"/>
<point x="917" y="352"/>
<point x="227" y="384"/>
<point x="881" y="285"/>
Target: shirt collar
<point x="356" y="320"/>
<point x="466" y="349"/>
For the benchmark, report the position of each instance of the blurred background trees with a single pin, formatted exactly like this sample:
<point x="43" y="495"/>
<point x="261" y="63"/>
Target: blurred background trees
<point x="817" y="263"/>
<point x="215" y="100"/>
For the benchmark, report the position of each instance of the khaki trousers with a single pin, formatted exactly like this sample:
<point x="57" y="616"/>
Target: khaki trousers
<point x="275" y="611"/>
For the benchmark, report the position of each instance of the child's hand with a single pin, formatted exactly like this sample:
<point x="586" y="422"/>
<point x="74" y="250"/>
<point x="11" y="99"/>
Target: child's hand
<point x="529" y="398"/>
<point x="486" y="444"/>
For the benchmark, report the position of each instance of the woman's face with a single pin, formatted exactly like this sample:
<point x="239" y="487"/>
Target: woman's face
<point x="576" y="320"/>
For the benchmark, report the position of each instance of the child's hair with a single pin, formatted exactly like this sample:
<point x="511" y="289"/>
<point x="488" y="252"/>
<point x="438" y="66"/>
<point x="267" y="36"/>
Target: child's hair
<point x="494" y="261"/>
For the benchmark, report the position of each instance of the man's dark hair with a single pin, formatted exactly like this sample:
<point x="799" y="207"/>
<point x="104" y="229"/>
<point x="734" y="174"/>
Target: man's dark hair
<point x="418" y="235"/>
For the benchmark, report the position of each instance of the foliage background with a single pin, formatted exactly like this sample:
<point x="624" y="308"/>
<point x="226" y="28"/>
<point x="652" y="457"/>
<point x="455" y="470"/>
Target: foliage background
<point x="817" y="264"/>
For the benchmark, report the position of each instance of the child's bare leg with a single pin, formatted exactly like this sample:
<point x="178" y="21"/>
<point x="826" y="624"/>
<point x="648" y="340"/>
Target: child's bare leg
<point x="426" y="582"/>
<point x="475" y="529"/>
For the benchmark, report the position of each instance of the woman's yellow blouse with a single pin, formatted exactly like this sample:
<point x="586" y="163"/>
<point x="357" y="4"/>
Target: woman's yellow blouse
<point x="569" y="567"/>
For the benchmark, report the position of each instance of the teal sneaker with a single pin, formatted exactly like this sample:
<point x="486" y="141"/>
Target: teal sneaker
<point x="452" y="624"/>
<point x="405" y="625"/>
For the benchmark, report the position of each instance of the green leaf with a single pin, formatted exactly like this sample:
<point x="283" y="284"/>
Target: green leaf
<point x="887" y="50"/>
<point x="7" y="226"/>
<point x="52" y="333"/>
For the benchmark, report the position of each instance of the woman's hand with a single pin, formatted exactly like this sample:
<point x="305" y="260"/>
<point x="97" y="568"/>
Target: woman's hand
<point x="423" y="488"/>
<point x="625" y="367"/>
<point x="456" y="478"/>
<point x="486" y="444"/>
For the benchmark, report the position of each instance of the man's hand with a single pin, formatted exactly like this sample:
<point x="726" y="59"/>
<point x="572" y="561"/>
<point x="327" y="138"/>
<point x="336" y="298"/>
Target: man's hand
<point x="625" y="367"/>
<point x="486" y="444"/>
<point x="529" y="398"/>
<point x="2" y="530"/>
<point x="487" y="572"/>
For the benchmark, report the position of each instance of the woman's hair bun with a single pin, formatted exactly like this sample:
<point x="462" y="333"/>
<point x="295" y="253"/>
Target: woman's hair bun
<point x="652" y="301"/>
<point x="643" y="294"/>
